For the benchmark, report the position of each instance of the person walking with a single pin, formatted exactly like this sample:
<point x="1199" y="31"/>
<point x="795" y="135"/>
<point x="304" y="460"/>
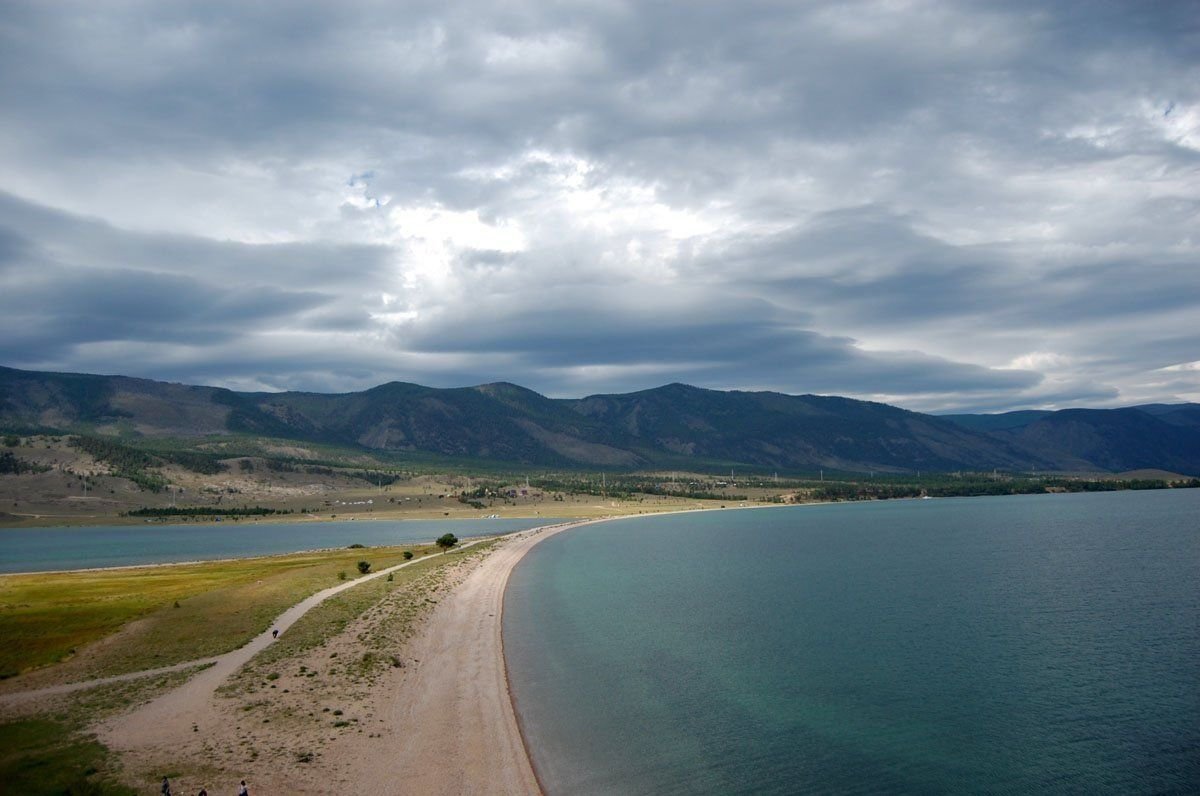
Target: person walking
<point x="166" y="787"/>
<point x="243" y="791"/>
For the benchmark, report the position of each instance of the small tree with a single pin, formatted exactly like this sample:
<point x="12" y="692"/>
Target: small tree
<point x="446" y="541"/>
<point x="364" y="567"/>
<point x="408" y="555"/>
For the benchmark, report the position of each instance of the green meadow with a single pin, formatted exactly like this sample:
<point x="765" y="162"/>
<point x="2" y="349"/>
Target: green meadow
<point x="162" y="615"/>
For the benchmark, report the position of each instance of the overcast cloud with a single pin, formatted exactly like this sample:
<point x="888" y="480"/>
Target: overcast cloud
<point x="973" y="205"/>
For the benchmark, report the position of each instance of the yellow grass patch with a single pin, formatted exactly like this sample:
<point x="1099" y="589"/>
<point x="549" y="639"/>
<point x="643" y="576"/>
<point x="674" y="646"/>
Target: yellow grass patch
<point x="164" y="614"/>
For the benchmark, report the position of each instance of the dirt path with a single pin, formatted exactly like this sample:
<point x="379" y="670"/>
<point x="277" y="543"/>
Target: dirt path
<point x="222" y="665"/>
<point x="174" y="716"/>
<point x="24" y="697"/>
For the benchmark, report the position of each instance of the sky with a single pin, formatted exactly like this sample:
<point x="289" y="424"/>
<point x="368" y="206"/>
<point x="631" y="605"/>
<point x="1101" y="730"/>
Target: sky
<point x="952" y="206"/>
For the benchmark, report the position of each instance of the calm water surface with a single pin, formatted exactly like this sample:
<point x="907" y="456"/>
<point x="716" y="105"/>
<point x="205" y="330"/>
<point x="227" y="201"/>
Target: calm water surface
<point x="1000" y="645"/>
<point x="44" y="549"/>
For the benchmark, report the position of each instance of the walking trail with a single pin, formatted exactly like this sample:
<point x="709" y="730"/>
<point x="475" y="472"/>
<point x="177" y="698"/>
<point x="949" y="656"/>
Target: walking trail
<point x="221" y="665"/>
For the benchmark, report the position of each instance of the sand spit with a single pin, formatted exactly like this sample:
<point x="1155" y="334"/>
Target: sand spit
<point x="440" y="722"/>
<point x="464" y="737"/>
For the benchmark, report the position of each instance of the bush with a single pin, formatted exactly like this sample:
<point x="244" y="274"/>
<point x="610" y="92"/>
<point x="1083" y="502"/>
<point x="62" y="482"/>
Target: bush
<point x="446" y="541"/>
<point x="13" y="465"/>
<point x="364" y="567"/>
<point x="408" y="555"/>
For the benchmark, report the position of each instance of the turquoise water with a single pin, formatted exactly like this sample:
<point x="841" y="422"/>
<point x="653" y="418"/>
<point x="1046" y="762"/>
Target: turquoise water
<point x="45" y="549"/>
<point x="1002" y="645"/>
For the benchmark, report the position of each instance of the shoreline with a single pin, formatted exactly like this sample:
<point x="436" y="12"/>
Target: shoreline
<point x="557" y="529"/>
<point x="512" y="697"/>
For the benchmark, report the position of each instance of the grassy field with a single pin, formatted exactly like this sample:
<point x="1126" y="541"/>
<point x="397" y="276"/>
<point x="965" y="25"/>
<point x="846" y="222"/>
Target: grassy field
<point x="165" y="614"/>
<point x="46" y="748"/>
<point x="41" y="757"/>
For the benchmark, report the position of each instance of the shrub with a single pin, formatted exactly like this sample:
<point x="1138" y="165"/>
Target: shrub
<point x="13" y="465"/>
<point x="364" y="567"/>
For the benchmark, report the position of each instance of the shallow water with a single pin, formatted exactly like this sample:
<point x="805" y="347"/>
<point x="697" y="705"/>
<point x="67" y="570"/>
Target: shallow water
<point x="44" y="549"/>
<point x="1005" y="645"/>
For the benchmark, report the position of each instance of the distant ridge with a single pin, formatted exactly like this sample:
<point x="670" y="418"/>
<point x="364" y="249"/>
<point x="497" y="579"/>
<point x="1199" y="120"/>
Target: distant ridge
<point x="675" y="425"/>
<point x="1002" y="422"/>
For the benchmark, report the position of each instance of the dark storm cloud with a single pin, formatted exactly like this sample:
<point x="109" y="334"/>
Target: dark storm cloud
<point x="880" y="271"/>
<point x="88" y="305"/>
<point x="69" y="282"/>
<point x="41" y="234"/>
<point x="944" y="205"/>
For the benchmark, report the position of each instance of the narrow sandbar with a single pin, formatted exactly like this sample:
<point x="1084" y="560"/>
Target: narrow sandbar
<point x="444" y="723"/>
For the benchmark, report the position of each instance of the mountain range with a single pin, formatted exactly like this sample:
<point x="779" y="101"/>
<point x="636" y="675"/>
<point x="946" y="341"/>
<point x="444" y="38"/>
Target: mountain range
<point x="671" y="426"/>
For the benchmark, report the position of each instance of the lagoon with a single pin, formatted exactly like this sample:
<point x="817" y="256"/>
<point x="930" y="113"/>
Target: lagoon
<point x="47" y="549"/>
<point x="1002" y="645"/>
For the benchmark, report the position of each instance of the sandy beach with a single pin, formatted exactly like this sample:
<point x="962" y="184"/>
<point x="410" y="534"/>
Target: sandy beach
<point x="440" y="722"/>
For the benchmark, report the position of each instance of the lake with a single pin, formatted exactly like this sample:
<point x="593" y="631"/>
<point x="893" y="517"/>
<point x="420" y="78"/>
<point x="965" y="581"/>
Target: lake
<point x="1000" y="645"/>
<point x="45" y="549"/>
